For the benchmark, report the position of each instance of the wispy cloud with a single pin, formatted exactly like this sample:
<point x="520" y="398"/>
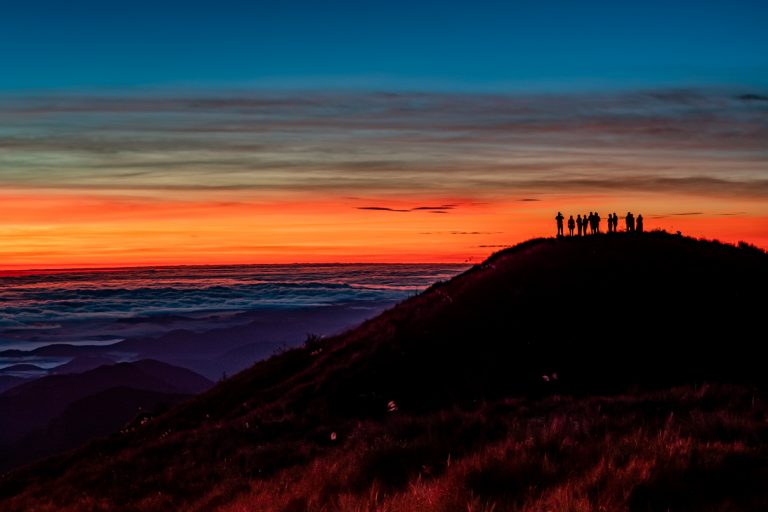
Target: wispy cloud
<point x="381" y="209"/>
<point x="442" y="207"/>
<point x="460" y="232"/>
<point x="429" y="209"/>
<point x="706" y="142"/>
<point x="752" y="97"/>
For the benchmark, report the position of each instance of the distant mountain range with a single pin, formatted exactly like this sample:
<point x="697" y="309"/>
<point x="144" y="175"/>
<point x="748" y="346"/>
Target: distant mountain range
<point x="61" y="411"/>
<point x="218" y="351"/>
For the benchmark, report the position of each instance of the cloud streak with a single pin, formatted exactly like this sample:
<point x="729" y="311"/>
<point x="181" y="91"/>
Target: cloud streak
<point x="428" y="209"/>
<point x="381" y="209"/>
<point x="378" y="143"/>
<point x="232" y="177"/>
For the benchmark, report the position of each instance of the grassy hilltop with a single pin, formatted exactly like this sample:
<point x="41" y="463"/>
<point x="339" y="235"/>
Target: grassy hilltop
<point x="602" y="373"/>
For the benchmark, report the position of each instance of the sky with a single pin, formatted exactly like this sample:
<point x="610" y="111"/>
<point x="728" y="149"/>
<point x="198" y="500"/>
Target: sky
<point x="162" y="133"/>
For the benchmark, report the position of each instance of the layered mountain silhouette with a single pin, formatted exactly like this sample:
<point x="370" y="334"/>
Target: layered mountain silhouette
<point x="61" y="411"/>
<point x="10" y="381"/>
<point x="81" y="364"/>
<point x="211" y="353"/>
<point x="494" y="389"/>
<point x="16" y="374"/>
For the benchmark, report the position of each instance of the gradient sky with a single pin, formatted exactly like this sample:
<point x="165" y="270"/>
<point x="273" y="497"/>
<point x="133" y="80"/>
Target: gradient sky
<point x="237" y="132"/>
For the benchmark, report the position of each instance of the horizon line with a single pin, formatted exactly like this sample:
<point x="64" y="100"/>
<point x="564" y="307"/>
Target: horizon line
<point x="7" y="272"/>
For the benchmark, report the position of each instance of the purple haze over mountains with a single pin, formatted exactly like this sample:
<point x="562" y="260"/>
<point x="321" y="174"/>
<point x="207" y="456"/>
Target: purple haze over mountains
<point x="212" y="319"/>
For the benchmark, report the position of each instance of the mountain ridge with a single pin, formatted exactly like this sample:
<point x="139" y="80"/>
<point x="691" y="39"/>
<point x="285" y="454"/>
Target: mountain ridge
<point x="546" y="318"/>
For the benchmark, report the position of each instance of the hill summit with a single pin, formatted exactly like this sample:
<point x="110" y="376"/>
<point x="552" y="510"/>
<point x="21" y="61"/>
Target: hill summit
<point x="474" y="393"/>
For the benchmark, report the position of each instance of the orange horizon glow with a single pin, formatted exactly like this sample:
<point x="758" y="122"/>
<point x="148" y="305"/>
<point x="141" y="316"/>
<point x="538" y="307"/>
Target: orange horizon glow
<point x="75" y="229"/>
<point x="141" y="178"/>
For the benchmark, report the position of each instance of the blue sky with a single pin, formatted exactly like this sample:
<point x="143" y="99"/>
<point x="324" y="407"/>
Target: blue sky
<point x="146" y="132"/>
<point x="480" y="45"/>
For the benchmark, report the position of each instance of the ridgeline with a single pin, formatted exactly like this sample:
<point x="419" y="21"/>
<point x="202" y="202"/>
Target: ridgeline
<point x="617" y="371"/>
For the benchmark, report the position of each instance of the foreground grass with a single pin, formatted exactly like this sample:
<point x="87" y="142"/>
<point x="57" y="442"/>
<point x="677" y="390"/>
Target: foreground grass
<point x="687" y="448"/>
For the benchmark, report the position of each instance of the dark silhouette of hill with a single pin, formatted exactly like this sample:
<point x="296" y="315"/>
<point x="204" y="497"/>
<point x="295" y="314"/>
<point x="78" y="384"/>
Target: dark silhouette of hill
<point x="23" y="371"/>
<point x="23" y="367"/>
<point x="99" y="414"/>
<point x="28" y="411"/>
<point x="609" y="371"/>
<point x="10" y="381"/>
<point x="81" y="364"/>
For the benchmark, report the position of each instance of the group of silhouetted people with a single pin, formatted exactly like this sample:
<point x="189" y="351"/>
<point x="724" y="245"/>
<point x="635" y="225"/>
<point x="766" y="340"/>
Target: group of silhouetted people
<point x="590" y="224"/>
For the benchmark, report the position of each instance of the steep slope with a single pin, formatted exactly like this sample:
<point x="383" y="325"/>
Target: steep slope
<point x="99" y="414"/>
<point x="10" y="381"/>
<point x="548" y="317"/>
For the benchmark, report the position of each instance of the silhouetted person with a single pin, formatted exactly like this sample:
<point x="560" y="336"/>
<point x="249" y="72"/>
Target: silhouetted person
<point x="579" y="224"/>
<point x="597" y="223"/>
<point x="630" y="221"/>
<point x="559" y="220"/>
<point x="610" y="222"/>
<point x="584" y="224"/>
<point x="591" y="222"/>
<point x="639" y="227"/>
<point x="615" y="222"/>
<point x="571" y="225"/>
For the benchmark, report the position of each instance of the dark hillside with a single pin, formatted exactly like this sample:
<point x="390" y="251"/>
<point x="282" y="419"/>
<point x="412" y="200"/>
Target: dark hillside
<point x="52" y="413"/>
<point x="9" y="381"/>
<point x="445" y="388"/>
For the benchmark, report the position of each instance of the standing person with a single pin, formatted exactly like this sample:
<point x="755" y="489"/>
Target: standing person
<point x="639" y="222"/>
<point x="584" y="224"/>
<point x="578" y="224"/>
<point x="610" y="222"/>
<point x="597" y="222"/>
<point x="630" y="221"/>
<point x="559" y="220"/>
<point x="615" y="222"/>
<point x="571" y="224"/>
<point x="591" y="222"/>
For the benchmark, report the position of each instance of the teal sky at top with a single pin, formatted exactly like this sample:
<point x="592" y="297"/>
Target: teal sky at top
<point x="393" y="44"/>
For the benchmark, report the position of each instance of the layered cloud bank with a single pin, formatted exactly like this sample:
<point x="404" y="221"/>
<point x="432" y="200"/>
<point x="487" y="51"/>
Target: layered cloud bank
<point x="238" y="176"/>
